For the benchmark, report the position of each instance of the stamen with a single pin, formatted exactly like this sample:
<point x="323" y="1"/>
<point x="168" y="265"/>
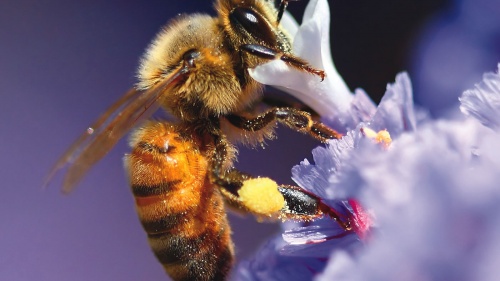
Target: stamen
<point x="383" y="137"/>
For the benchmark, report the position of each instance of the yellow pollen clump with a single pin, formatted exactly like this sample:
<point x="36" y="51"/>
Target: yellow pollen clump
<point x="261" y="196"/>
<point x="382" y="136"/>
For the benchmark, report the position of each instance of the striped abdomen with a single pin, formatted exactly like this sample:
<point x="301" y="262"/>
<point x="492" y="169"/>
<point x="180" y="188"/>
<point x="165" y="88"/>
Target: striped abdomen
<point x="181" y="211"/>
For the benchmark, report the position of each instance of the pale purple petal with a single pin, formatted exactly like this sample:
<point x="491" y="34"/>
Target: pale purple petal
<point x="311" y="234"/>
<point x="328" y="161"/>
<point x="326" y="177"/>
<point x="268" y="264"/>
<point x="319" y="240"/>
<point x="340" y="264"/>
<point x="362" y="109"/>
<point x="483" y="102"/>
<point x="395" y="112"/>
<point x="436" y="197"/>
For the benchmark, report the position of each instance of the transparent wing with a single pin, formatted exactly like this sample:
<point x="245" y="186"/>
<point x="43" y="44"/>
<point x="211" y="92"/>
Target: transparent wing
<point x="109" y="128"/>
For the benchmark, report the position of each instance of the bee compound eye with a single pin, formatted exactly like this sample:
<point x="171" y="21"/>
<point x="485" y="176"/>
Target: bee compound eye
<point x="190" y="56"/>
<point x="253" y="23"/>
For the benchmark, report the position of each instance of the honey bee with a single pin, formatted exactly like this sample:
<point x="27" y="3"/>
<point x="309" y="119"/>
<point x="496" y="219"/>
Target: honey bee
<point x="181" y="173"/>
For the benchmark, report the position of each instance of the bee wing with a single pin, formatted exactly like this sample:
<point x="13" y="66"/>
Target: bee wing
<point x="109" y="128"/>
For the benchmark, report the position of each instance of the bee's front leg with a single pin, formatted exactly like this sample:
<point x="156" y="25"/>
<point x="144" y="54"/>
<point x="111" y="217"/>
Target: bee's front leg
<point x="294" y="119"/>
<point x="264" y="52"/>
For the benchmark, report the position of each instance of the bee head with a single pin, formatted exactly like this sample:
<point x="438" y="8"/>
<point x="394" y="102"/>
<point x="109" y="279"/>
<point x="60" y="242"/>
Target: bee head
<point x="209" y="85"/>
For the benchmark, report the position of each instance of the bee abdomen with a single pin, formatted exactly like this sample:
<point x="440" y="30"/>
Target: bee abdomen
<point x="181" y="211"/>
<point x="154" y="190"/>
<point x="194" y="244"/>
<point x="163" y="224"/>
<point x="204" y="257"/>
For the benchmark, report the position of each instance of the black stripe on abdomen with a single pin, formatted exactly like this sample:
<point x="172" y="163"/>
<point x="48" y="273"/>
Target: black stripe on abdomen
<point x="201" y="258"/>
<point x="164" y="224"/>
<point x="154" y="190"/>
<point x="170" y="248"/>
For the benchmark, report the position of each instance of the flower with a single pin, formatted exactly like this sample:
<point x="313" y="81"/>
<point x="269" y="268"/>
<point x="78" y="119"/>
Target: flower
<point x="424" y="204"/>
<point x="438" y="211"/>
<point x="395" y="114"/>
<point x="332" y="178"/>
<point x="271" y="264"/>
<point x="312" y="43"/>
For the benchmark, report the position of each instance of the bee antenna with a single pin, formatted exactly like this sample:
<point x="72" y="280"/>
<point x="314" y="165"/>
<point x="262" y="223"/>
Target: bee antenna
<point x="282" y="8"/>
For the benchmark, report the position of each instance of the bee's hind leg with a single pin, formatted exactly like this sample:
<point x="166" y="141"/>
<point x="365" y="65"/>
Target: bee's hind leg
<point x="305" y="206"/>
<point x="262" y="196"/>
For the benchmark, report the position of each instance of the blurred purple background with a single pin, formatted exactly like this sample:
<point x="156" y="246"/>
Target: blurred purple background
<point x="62" y="63"/>
<point x="455" y="48"/>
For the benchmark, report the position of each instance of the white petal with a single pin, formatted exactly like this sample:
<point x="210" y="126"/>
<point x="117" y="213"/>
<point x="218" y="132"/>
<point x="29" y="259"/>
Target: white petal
<point x="289" y="23"/>
<point x="329" y="98"/>
<point x="318" y="95"/>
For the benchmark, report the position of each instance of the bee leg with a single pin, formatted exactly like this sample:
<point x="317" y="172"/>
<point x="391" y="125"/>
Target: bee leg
<point x="288" y="101"/>
<point x="262" y="196"/>
<point x="304" y="206"/>
<point x="271" y="54"/>
<point x="297" y="120"/>
<point x="259" y="196"/>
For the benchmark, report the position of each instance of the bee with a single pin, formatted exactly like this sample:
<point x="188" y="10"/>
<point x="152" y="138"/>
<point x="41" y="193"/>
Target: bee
<point x="181" y="173"/>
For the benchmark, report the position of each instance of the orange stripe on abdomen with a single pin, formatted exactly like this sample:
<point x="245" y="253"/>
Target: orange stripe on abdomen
<point x="180" y="210"/>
